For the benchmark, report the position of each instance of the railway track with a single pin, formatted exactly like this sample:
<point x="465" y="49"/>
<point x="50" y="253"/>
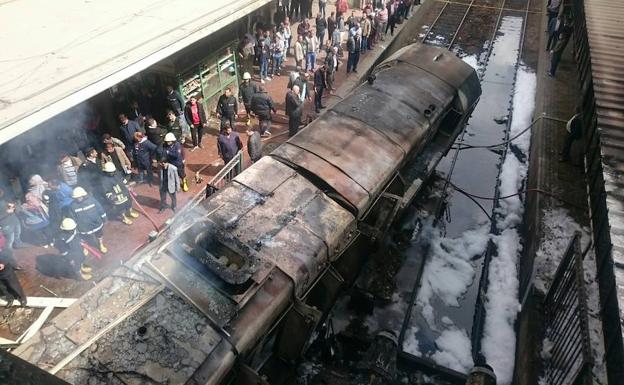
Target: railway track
<point x="444" y="29"/>
<point x="459" y="25"/>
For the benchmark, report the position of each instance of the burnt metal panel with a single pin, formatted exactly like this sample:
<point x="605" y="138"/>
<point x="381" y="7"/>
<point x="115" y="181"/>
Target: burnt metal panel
<point x="330" y="223"/>
<point x="444" y="65"/>
<point x="599" y="39"/>
<point x="227" y="206"/>
<point x="335" y="178"/>
<point x="358" y="150"/>
<point x="265" y="175"/>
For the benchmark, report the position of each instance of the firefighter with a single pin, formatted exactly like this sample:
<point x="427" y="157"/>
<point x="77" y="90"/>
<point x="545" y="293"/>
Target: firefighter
<point x="89" y="216"/>
<point x="171" y="152"/>
<point x="117" y="193"/>
<point x="71" y="249"/>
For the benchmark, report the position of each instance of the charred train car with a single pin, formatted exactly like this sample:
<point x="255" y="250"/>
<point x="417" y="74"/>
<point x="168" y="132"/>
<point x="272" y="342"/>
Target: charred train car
<point x="242" y="279"/>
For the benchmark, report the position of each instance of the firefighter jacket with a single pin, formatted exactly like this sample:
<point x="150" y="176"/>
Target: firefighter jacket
<point x="115" y="189"/>
<point x="70" y="247"/>
<point x="88" y="214"/>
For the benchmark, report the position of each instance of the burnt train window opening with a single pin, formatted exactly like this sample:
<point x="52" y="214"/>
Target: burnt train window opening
<point x="206" y="246"/>
<point x="450" y="121"/>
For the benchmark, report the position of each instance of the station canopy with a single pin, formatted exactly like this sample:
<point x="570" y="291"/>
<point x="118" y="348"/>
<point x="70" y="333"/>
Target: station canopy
<point x="57" y="54"/>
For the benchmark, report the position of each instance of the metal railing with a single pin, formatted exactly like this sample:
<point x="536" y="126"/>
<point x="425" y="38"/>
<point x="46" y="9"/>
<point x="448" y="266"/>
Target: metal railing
<point x="566" y="315"/>
<point x="225" y="175"/>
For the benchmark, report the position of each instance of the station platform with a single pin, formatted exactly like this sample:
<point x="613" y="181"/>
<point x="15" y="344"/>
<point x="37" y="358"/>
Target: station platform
<point x="40" y="275"/>
<point x="551" y="218"/>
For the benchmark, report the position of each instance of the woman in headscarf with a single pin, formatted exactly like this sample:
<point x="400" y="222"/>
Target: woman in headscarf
<point x="36" y="219"/>
<point x="36" y="186"/>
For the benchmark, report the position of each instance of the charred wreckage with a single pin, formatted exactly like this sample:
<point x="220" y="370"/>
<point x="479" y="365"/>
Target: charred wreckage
<point x="240" y="283"/>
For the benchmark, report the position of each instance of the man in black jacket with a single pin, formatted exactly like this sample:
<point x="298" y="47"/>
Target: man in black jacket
<point x="246" y="91"/>
<point x="254" y="145"/>
<point x="128" y="128"/>
<point x="9" y="284"/>
<point x="175" y="101"/>
<point x="262" y="105"/>
<point x="227" y="108"/>
<point x="320" y="83"/>
<point x="294" y="110"/>
<point x="196" y="118"/>
<point x="90" y="172"/>
<point x="228" y="144"/>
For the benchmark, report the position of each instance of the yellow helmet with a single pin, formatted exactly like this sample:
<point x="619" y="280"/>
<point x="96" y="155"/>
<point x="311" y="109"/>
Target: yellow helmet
<point x="68" y="224"/>
<point x="79" y="192"/>
<point x="109" y="167"/>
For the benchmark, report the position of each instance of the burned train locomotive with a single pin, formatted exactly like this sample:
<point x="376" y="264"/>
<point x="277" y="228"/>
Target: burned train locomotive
<point x="244" y="278"/>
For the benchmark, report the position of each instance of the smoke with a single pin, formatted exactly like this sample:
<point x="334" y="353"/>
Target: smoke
<point x="37" y="151"/>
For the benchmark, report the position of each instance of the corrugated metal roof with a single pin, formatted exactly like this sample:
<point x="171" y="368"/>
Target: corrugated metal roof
<point x="605" y="39"/>
<point x="56" y="54"/>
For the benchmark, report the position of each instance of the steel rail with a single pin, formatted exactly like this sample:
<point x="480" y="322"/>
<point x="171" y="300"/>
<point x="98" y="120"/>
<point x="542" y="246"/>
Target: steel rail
<point x="448" y="4"/>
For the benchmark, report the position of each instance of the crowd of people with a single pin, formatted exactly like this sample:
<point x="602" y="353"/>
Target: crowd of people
<point x="318" y="46"/>
<point x="89" y="187"/>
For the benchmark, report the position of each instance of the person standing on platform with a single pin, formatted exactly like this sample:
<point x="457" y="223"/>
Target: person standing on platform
<point x="9" y="284"/>
<point x="574" y="129"/>
<point x="299" y="53"/>
<point x="331" y="62"/>
<point x="115" y="190"/>
<point x="174" y="126"/>
<point x="90" y="172"/>
<point x="321" y="28"/>
<point x="311" y="44"/>
<point x="143" y="152"/>
<point x="89" y="216"/>
<point x="68" y="169"/>
<point x="228" y="144"/>
<point x="173" y="154"/>
<point x="175" y="102"/>
<point x="562" y="42"/>
<point x="71" y="249"/>
<point x="332" y="25"/>
<point x="246" y="91"/>
<point x="196" y="118"/>
<point x="128" y="128"/>
<point x="553" y="32"/>
<point x="58" y="198"/>
<point x="262" y="105"/>
<point x="342" y="7"/>
<point x="117" y="157"/>
<point x="254" y="145"/>
<point x="320" y="84"/>
<point x="169" y="185"/>
<point x="294" y="110"/>
<point x="227" y="108"/>
<point x="154" y="132"/>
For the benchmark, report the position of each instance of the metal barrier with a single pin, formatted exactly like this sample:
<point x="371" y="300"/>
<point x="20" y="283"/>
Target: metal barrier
<point x="566" y="322"/>
<point x="225" y="175"/>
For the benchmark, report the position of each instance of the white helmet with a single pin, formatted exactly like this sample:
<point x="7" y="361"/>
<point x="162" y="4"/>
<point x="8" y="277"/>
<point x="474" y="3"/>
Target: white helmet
<point x="79" y="192"/>
<point x="68" y="224"/>
<point x="109" y="167"/>
<point x="246" y="76"/>
<point x="170" y="137"/>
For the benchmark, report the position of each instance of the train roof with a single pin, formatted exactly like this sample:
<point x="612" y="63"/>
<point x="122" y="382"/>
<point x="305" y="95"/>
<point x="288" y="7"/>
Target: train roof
<point x="383" y="120"/>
